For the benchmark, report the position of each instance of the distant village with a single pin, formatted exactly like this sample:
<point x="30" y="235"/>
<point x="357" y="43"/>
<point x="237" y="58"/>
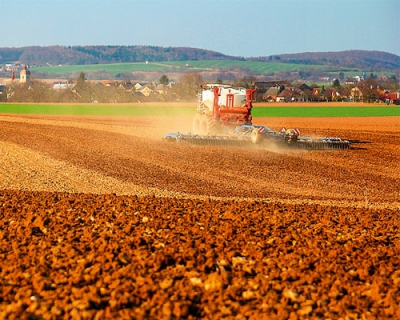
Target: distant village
<point x="20" y="87"/>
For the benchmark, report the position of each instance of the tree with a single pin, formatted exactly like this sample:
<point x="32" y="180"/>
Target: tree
<point x="336" y="83"/>
<point x="368" y="88"/>
<point x="304" y="74"/>
<point x="164" y="80"/>
<point x="83" y="88"/>
<point x="189" y="85"/>
<point x="81" y="79"/>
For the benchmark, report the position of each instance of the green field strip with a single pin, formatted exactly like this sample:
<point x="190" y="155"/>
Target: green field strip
<point x="95" y="110"/>
<point x="148" y="110"/>
<point x="298" y="112"/>
<point x="182" y="66"/>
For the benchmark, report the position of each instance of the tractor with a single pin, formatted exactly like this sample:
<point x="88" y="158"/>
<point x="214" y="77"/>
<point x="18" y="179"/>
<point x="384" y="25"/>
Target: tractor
<point x="222" y="108"/>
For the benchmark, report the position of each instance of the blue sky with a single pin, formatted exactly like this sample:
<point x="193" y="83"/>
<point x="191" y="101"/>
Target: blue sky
<point x="247" y="28"/>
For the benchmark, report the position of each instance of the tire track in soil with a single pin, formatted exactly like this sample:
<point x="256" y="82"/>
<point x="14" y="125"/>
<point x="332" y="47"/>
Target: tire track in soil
<point x="24" y="169"/>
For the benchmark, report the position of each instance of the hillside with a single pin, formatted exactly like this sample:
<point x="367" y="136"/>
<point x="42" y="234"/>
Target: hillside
<point x="84" y="55"/>
<point x="371" y="60"/>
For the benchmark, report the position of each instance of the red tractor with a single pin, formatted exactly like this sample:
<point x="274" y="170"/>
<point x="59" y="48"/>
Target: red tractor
<point x="222" y="107"/>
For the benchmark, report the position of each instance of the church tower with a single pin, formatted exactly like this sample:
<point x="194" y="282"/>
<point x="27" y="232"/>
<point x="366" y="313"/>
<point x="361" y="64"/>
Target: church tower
<point x="24" y="75"/>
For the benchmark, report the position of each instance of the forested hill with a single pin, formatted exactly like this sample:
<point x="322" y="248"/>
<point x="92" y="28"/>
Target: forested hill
<point x="352" y="58"/>
<point x="79" y="55"/>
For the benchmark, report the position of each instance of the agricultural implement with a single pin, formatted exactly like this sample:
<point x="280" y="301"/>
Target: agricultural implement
<point x="224" y="118"/>
<point x="248" y="135"/>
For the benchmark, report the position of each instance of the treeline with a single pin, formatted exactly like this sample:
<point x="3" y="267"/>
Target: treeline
<point x="105" y="54"/>
<point x="359" y="59"/>
<point x="81" y="55"/>
<point x="84" y="91"/>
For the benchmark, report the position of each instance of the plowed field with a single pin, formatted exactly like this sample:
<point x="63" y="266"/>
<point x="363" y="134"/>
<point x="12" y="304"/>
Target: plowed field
<point x="101" y="219"/>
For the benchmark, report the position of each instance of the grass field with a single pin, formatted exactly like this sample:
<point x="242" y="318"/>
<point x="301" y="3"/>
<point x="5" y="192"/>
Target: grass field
<point x="183" y="66"/>
<point x="189" y="109"/>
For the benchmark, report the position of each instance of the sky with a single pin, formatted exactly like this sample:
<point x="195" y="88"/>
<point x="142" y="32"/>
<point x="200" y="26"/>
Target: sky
<point x="244" y="28"/>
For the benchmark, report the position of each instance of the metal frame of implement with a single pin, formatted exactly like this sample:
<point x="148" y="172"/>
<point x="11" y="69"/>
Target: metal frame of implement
<point x="248" y="135"/>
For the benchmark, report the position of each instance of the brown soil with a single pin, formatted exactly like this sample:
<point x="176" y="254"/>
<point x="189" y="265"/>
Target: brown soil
<point x="100" y="218"/>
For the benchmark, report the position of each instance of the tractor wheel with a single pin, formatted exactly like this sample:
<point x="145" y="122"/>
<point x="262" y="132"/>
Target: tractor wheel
<point x="208" y="126"/>
<point x="256" y="136"/>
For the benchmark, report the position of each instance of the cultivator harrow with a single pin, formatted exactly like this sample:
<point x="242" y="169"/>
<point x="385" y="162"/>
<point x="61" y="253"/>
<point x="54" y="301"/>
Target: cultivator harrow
<point x="249" y="135"/>
<point x="323" y="143"/>
<point x="208" y="140"/>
